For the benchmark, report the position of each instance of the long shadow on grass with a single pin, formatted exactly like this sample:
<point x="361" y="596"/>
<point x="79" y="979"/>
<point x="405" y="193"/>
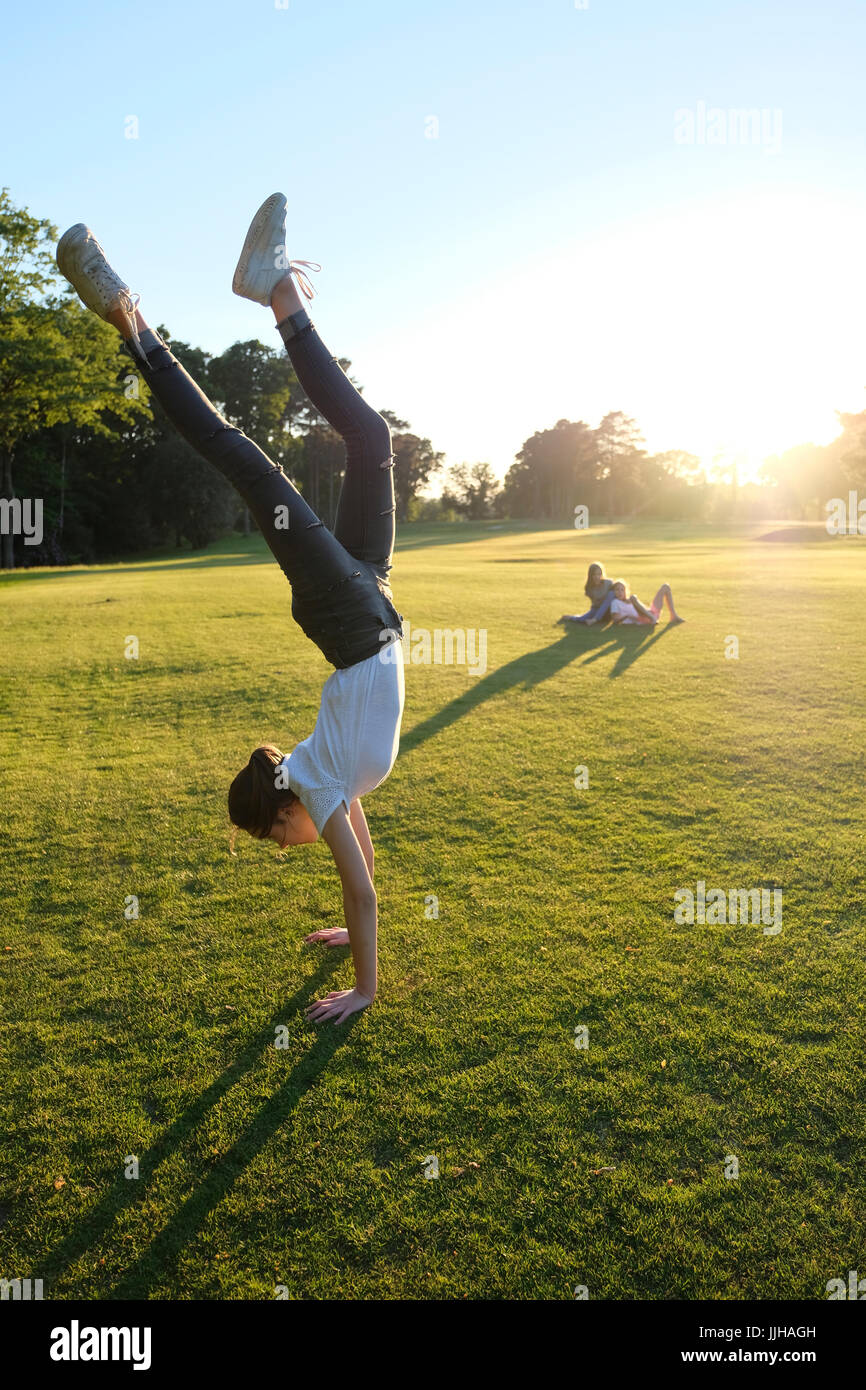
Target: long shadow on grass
<point x="189" y="562"/>
<point x="631" y="642"/>
<point x="532" y="668"/>
<point x="126" y="1192"/>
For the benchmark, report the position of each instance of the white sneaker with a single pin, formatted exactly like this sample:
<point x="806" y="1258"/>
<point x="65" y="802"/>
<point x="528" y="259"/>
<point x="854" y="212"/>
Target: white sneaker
<point x="264" y="261"/>
<point x="83" y="262"/>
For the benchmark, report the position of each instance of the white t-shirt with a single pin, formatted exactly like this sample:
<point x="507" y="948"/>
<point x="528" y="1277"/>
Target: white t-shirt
<point x="621" y="610"/>
<point x="354" y="744"/>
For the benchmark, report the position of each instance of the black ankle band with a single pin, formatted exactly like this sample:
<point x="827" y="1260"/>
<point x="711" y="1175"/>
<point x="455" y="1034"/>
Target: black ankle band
<point x="150" y="340"/>
<point x="138" y="357"/>
<point x="293" y="325"/>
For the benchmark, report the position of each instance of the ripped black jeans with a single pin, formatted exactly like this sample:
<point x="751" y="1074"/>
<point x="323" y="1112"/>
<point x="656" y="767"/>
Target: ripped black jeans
<point x="341" y="595"/>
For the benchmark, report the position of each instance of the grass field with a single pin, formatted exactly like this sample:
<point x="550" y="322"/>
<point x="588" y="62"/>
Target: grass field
<point x="304" y="1166"/>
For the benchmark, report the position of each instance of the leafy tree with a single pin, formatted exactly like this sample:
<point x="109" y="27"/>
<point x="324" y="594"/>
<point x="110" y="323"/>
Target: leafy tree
<point x="805" y="476"/>
<point x="415" y="462"/>
<point x="674" y="484"/>
<point x="188" y="499"/>
<point x="254" y="385"/>
<point x="98" y="391"/>
<point x="678" y="463"/>
<point x="554" y="471"/>
<point x="26" y="377"/>
<point x="852" y="452"/>
<point x="473" y="489"/>
<point x="258" y="391"/>
<point x="323" y="460"/>
<point x="58" y="362"/>
<point x="319" y="457"/>
<point x="620" y="451"/>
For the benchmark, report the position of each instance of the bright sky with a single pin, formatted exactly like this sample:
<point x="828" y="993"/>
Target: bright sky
<point x="589" y="227"/>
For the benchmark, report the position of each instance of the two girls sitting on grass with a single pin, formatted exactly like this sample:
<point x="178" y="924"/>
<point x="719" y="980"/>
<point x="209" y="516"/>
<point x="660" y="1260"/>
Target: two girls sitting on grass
<point x="610" y="601"/>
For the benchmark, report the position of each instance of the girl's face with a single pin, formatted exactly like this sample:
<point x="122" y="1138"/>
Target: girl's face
<point x="293" y="826"/>
<point x="594" y="574"/>
<point x="619" y="591"/>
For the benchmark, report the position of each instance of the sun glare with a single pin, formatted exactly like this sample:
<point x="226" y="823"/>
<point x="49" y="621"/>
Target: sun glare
<point x="727" y="329"/>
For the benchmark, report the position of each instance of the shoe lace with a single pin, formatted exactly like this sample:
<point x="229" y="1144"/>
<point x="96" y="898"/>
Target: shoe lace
<point x="300" y="274"/>
<point x="130" y="303"/>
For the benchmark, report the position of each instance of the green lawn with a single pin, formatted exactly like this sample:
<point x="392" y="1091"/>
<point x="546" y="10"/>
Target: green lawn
<point x="558" y="1166"/>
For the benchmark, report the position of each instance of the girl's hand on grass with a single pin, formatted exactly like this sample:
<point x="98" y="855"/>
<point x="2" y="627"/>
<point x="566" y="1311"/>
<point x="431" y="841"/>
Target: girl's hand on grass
<point x="336" y="1006"/>
<point x="329" y="936"/>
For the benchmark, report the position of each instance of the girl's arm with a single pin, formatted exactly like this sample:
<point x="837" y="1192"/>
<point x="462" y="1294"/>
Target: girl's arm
<point x="360" y="910"/>
<point x="641" y="608"/>
<point x="362" y="833"/>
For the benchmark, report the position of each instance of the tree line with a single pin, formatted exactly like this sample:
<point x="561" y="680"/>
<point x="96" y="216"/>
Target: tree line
<point x="80" y="431"/>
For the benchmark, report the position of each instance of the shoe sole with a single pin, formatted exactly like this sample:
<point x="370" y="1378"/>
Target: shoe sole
<point x="70" y="236"/>
<point x="255" y="242"/>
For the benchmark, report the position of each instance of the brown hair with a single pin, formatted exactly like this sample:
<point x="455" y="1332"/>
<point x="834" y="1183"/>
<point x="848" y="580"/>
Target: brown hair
<point x="254" y="797"/>
<point x="589" y="586"/>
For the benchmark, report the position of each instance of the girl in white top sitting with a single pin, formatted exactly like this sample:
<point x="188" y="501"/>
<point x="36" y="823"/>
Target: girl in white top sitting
<point x="341" y="595"/>
<point x="630" y="610"/>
